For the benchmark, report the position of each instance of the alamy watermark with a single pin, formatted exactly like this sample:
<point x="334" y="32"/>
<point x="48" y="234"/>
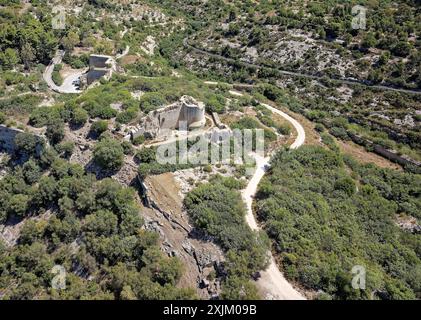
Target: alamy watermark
<point x="59" y="280"/>
<point x="359" y="21"/>
<point x="359" y="279"/>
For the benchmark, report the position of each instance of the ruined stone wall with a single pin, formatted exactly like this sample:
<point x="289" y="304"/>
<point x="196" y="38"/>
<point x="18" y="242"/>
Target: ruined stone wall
<point x="99" y="66"/>
<point x="388" y="154"/>
<point x="168" y="117"/>
<point x="218" y="121"/>
<point x="192" y="114"/>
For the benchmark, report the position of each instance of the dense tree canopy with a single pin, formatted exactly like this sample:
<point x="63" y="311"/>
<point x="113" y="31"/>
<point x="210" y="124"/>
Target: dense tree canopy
<point x="92" y="228"/>
<point x="326" y="216"/>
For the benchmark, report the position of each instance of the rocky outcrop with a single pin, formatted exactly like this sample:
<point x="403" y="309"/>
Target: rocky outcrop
<point x="163" y="213"/>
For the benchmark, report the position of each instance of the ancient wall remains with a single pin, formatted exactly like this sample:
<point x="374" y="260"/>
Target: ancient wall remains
<point x="99" y="61"/>
<point x="96" y="74"/>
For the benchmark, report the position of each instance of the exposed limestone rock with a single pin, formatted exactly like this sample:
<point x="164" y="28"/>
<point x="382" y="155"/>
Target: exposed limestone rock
<point x="149" y="45"/>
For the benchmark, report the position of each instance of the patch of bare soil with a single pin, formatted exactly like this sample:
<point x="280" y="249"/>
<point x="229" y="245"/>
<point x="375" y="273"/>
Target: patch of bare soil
<point x="163" y="213"/>
<point x="249" y="111"/>
<point x="68" y="71"/>
<point x="364" y="156"/>
<point x="230" y="117"/>
<point x="78" y="51"/>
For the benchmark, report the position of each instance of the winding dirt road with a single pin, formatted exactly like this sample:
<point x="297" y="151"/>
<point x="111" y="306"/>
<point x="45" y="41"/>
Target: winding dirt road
<point x="272" y="283"/>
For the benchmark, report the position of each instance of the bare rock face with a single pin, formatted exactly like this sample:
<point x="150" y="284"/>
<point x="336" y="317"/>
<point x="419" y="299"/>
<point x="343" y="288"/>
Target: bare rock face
<point x="164" y="214"/>
<point x="8" y="135"/>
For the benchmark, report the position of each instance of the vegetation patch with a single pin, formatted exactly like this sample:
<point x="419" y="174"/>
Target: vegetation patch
<point x="326" y="214"/>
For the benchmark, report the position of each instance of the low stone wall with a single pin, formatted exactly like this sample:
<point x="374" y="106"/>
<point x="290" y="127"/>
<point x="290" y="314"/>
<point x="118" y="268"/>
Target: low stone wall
<point x="404" y="137"/>
<point x="382" y="151"/>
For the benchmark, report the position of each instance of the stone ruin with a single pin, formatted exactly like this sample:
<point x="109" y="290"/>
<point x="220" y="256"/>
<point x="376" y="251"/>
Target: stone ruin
<point x="185" y="114"/>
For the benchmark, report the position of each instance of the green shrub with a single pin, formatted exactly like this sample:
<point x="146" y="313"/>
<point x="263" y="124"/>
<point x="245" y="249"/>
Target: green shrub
<point x="152" y="101"/>
<point x="207" y="168"/>
<point x="127" y="148"/>
<point x="55" y="132"/>
<point x="26" y="143"/>
<point x="99" y="127"/>
<point x="319" y="127"/>
<point x="139" y="140"/>
<point x="56" y="77"/>
<point x="340" y="133"/>
<point x="246" y="250"/>
<point x="285" y="129"/>
<point x="109" y="154"/>
<point x="309" y="194"/>
<point x="127" y="115"/>
<point x="216" y="103"/>
<point x="65" y="148"/>
<point x="18" y="205"/>
<point x="42" y="116"/>
<point x="58" y="67"/>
